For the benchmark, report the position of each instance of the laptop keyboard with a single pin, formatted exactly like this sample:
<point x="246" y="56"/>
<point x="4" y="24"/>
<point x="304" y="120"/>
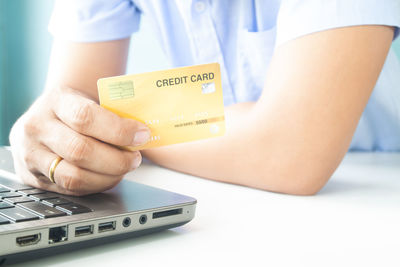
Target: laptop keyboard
<point x="20" y="203"/>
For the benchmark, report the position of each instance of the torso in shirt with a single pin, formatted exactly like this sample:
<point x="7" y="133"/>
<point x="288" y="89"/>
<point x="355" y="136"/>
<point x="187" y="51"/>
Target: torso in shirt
<point x="241" y="36"/>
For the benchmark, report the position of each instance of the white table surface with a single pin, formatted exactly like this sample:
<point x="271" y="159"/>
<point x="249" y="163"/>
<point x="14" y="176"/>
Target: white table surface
<point x="353" y="221"/>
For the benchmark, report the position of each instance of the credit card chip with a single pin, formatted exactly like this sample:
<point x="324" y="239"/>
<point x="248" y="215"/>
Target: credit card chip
<point x="121" y="90"/>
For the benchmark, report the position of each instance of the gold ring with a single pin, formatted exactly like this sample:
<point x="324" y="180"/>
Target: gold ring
<point x="53" y="167"/>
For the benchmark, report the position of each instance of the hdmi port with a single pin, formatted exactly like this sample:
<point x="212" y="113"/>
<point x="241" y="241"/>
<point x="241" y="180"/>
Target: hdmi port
<point x="107" y="226"/>
<point x="84" y="230"/>
<point x="28" y="240"/>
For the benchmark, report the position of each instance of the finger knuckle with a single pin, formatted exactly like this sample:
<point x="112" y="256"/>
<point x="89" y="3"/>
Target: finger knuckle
<point x="124" y="165"/>
<point x="27" y="178"/>
<point x="30" y="127"/>
<point x="77" y="149"/>
<point x="39" y="181"/>
<point x="28" y="158"/>
<point x="114" y="182"/>
<point x="122" y="134"/>
<point x="73" y="181"/>
<point x="83" y="116"/>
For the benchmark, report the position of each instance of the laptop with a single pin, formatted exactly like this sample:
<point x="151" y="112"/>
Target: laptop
<point x="35" y="223"/>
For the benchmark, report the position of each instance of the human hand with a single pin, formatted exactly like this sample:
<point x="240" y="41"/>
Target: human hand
<point x="64" y="122"/>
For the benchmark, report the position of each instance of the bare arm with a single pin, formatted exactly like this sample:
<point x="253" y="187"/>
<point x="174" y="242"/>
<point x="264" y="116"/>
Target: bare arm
<point x="294" y="137"/>
<point x="80" y="65"/>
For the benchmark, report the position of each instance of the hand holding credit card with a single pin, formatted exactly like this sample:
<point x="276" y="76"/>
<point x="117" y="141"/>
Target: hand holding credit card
<point x="178" y="105"/>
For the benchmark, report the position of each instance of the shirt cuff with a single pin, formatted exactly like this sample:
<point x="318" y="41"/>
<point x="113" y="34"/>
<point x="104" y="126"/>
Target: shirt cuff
<point x="298" y="18"/>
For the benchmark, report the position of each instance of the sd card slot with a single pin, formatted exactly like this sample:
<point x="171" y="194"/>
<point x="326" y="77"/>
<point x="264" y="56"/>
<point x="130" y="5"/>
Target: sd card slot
<point x="166" y="213"/>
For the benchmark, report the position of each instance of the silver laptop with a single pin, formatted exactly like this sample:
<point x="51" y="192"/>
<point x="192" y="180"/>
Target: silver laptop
<point x="35" y="223"/>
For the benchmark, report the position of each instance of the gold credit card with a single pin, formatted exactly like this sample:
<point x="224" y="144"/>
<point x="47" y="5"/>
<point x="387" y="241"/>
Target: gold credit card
<point x="178" y="105"/>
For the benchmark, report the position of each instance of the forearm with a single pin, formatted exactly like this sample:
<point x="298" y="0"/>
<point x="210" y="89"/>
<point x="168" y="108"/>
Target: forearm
<point x="80" y="65"/>
<point x="293" y="138"/>
<point x="249" y="155"/>
<point x="208" y="158"/>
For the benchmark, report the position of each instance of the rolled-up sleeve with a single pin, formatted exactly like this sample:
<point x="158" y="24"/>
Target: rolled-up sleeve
<point x="301" y="17"/>
<point x="94" y="20"/>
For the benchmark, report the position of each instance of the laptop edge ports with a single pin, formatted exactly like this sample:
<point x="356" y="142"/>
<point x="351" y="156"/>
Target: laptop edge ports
<point x="106" y="226"/>
<point x="166" y="213"/>
<point x="58" y="234"/>
<point x="126" y="222"/>
<point x="83" y="230"/>
<point x="28" y="240"/>
<point x="143" y="219"/>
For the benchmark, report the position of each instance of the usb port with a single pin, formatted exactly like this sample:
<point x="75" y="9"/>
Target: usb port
<point x="84" y="230"/>
<point x="107" y="226"/>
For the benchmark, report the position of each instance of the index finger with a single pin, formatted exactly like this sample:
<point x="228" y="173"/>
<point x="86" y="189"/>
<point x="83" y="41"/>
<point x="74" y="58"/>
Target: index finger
<point x="87" y="117"/>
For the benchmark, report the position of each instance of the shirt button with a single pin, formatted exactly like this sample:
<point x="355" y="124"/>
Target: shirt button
<point x="200" y="6"/>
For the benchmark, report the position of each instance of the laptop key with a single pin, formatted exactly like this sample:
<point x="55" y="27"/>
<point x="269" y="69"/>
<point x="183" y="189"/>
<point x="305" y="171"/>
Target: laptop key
<point x="9" y="194"/>
<point x="5" y="205"/>
<point x="17" y="214"/>
<point x="56" y="201"/>
<point x="16" y="200"/>
<point x="2" y="189"/>
<point x="3" y="220"/>
<point x="42" y="210"/>
<point x="73" y="208"/>
<point x="32" y="191"/>
<point x="16" y="186"/>
<point x="43" y="196"/>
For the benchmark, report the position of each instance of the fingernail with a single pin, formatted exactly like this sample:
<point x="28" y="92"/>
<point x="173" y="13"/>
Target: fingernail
<point x="136" y="162"/>
<point x="141" y="137"/>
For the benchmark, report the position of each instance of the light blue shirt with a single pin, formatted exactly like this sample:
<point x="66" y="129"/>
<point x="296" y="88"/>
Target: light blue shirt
<point x="242" y="36"/>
